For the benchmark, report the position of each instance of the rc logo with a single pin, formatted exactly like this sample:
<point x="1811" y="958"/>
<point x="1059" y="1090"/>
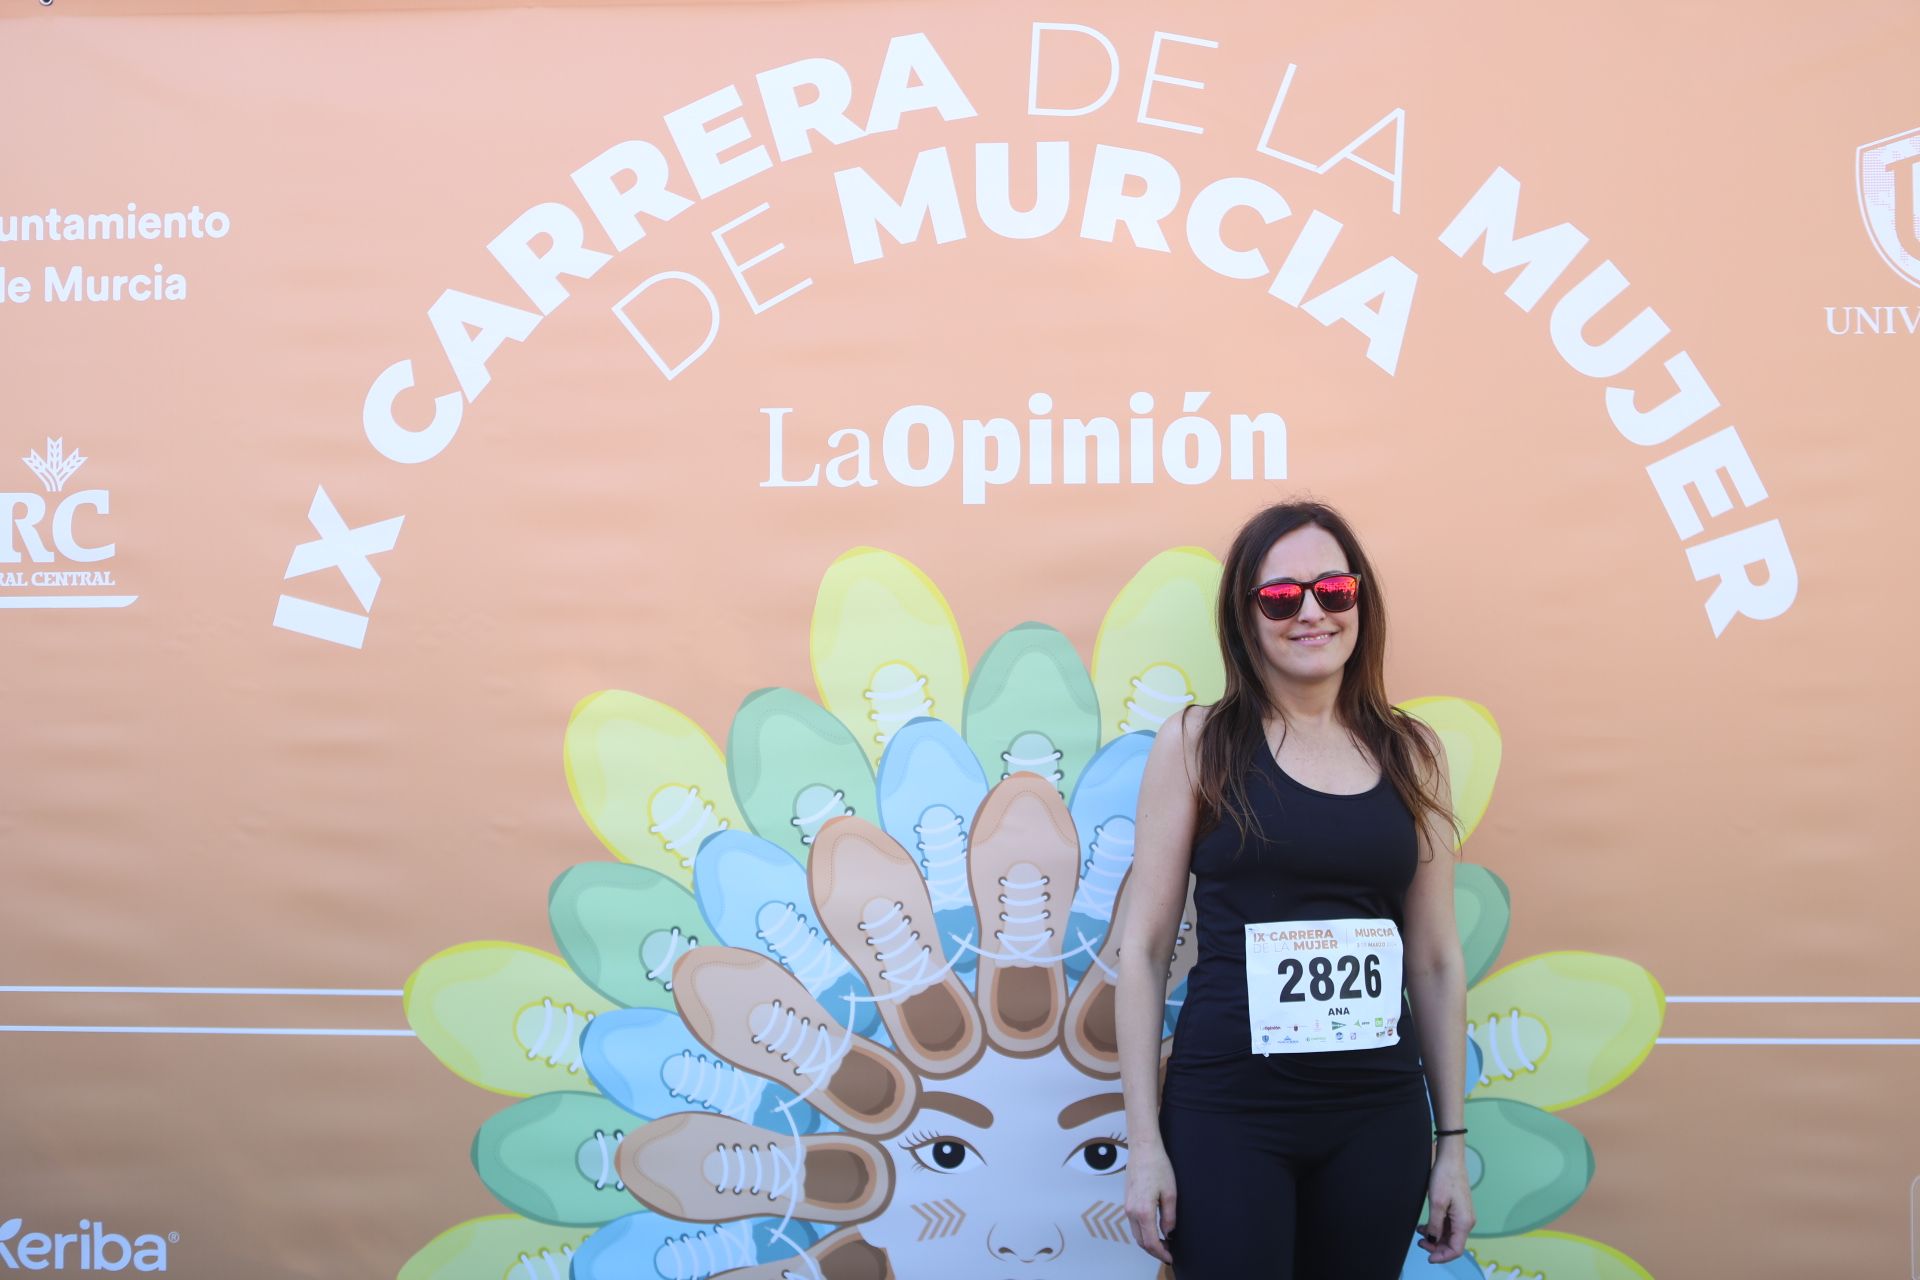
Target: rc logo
<point x="1886" y="174"/>
<point x="88" y="1247"/>
<point x="29" y="520"/>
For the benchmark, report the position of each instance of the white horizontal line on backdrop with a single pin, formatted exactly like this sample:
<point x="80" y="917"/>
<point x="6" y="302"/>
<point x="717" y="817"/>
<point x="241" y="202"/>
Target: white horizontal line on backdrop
<point x="1795" y="1040"/>
<point x="225" y="1031"/>
<point x="393" y="992"/>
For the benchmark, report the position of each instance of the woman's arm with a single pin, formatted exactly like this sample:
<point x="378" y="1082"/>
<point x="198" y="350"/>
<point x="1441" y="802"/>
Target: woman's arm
<point x="1437" y="988"/>
<point x="1156" y="895"/>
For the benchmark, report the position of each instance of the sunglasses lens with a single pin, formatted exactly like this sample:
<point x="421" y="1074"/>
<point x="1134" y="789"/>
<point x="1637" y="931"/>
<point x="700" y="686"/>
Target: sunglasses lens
<point x="1280" y="600"/>
<point x="1337" y="594"/>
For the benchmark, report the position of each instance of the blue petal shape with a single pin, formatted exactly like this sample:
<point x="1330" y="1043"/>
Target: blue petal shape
<point x="647" y="1061"/>
<point x="930" y="784"/>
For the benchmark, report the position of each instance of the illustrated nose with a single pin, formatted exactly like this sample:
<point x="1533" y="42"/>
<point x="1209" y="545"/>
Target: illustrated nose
<point x="1026" y="1242"/>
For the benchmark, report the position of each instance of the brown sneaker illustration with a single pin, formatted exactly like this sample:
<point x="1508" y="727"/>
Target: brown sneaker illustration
<point x="701" y="1167"/>
<point x="756" y="1015"/>
<point x="1023" y="863"/>
<point x="844" y="1255"/>
<point x="874" y="903"/>
<point x="1090" y="1038"/>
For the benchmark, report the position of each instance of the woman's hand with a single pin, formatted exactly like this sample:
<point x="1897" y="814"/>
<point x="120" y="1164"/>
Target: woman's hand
<point x="1444" y="1234"/>
<point x="1150" y="1199"/>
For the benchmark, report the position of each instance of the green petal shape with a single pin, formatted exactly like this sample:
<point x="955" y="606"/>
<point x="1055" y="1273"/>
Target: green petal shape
<point x="1550" y="1255"/>
<point x="1471" y="740"/>
<point x="1482" y="909"/>
<point x="622" y="928"/>
<point x="649" y="782"/>
<point x="505" y="1017"/>
<point x="550" y="1157"/>
<point x="1031" y="707"/>
<point x="1561" y="1027"/>
<point x="1156" y="651"/>
<point x="885" y="647"/>
<point x="793" y="765"/>
<point x="1528" y="1167"/>
<point x="497" y="1247"/>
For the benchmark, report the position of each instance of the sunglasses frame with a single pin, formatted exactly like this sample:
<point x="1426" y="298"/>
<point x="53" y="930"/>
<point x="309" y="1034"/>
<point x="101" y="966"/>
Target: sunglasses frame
<point x="1306" y="587"/>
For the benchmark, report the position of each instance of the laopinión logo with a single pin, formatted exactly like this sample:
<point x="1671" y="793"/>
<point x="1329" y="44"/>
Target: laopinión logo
<point x="24" y="513"/>
<point x="88" y="1247"/>
<point x="1886" y="176"/>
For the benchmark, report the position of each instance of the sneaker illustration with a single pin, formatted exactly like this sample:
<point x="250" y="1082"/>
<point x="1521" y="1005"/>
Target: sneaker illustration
<point x="746" y="1172"/>
<point x="505" y="1017"/>
<point x="1558" y="1028"/>
<point x="551" y="1157"/>
<point x="757" y="897"/>
<point x="623" y="928"/>
<point x="1030" y="708"/>
<point x="877" y="908"/>
<point x="500" y="1244"/>
<point x="929" y="785"/>
<point x="1024" y="863"/>
<point x="1471" y="741"/>
<point x="1526" y="1166"/>
<point x="1482" y="910"/>
<point x="1091" y="1038"/>
<point x="1547" y="1255"/>
<point x="885" y="647"/>
<point x="844" y="1255"/>
<point x="648" y="781"/>
<point x="755" y="1014"/>
<point x="1103" y="806"/>
<point x="1156" y="652"/>
<point x="651" y="1246"/>
<point x="649" y="1063"/>
<point x="793" y="766"/>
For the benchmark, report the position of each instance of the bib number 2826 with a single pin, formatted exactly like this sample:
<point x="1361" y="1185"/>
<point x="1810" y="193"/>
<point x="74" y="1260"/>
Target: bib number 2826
<point x="1321" y="985"/>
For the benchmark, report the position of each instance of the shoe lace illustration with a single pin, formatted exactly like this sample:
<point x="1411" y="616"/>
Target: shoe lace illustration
<point x="594" y="1159"/>
<point x="796" y="944"/>
<point x="700" y="1254"/>
<point x="711" y="1084"/>
<point x="896" y="695"/>
<point x="547" y="1264"/>
<point x="751" y="1169"/>
<point x="1109" y="854"/>
<point x="1492" y="1062"/>
<point x="941" y="837"/>
<point x="1023" y="930"/>
<point x="660" y="949"/>
<point x="796" y="1039"/>
<point x="905" y="961"/>
<point x="1033" y="752"/>
<point x="682" y="820"/>
<point x="551" y="1031"/>
<point x="1158" y="692"/>
<point x="816" y="803"/>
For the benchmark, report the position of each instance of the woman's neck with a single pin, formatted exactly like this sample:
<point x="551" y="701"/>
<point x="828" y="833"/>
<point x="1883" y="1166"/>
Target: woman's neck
<point x="1305" y="705"/>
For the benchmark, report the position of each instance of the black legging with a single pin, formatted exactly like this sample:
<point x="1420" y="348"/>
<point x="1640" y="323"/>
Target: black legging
<point x="1327" y="1195"/>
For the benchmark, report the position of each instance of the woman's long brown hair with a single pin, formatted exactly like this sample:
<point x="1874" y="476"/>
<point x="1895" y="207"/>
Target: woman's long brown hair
<point x="1235" y="728"/>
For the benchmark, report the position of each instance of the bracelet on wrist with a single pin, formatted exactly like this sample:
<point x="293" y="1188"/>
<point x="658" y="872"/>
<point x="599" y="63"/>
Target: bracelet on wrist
<point x="1445" y="1133"/>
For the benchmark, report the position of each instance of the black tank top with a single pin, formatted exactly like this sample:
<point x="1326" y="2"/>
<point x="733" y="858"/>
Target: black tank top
<point x="1312" y="856"/>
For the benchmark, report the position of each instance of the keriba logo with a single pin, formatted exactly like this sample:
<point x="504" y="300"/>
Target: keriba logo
<point x="88" y="1247"/>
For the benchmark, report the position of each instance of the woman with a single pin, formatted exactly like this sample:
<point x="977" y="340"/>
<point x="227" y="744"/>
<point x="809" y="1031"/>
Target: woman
<point x="1293" y="1137"/>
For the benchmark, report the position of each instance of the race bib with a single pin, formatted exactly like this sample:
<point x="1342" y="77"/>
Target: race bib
<point x="1319" y="985"/>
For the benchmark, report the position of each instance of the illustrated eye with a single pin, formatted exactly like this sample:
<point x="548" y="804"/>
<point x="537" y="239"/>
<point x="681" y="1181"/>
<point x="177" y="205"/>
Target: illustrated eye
<point x="1101" y="1155"/>
<point x="942" y="1154"/>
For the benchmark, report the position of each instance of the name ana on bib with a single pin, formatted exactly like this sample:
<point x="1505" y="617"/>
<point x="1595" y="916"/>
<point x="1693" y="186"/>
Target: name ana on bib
<point x="1315" y="986"/>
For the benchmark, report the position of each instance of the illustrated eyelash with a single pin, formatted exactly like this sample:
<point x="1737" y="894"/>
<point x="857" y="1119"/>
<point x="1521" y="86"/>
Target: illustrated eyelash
<point x="918" y="1138"/>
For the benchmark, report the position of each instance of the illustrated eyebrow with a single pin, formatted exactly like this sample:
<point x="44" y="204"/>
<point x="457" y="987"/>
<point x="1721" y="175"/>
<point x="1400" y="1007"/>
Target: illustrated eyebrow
<point x="959" y="1108"/>
<point x="1075" y="1114"/>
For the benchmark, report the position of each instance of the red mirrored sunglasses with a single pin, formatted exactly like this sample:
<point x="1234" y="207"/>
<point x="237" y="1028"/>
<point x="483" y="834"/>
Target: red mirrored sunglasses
<point x="1336" y="592"/>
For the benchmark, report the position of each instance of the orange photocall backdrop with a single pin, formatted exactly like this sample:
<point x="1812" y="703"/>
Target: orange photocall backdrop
<point x="216" y="805"/>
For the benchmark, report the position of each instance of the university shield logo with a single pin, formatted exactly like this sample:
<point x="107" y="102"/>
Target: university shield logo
<point x="1886" y="175"/>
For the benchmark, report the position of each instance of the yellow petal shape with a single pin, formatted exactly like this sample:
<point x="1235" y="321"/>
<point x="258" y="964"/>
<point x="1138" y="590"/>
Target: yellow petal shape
<point x="505" y="1017"/>
<point x="649" y="782"/>
<point x="1157" y="651"/>
<point x="1471" y="740"/>
<point x="885" y="647"/>
<point x="1561" y="1027"/>
<point x="1551" y="1255"/>
<point x="496" y="1248"/>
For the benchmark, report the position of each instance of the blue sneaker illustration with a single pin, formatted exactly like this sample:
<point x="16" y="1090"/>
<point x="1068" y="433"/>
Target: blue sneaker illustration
<point x="755" y="896"/>
<point x="649" y="1063"/>
<point x="651" y="1246"/>
<point x="1102" y="809"/>
<point x="930" y="784"/>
